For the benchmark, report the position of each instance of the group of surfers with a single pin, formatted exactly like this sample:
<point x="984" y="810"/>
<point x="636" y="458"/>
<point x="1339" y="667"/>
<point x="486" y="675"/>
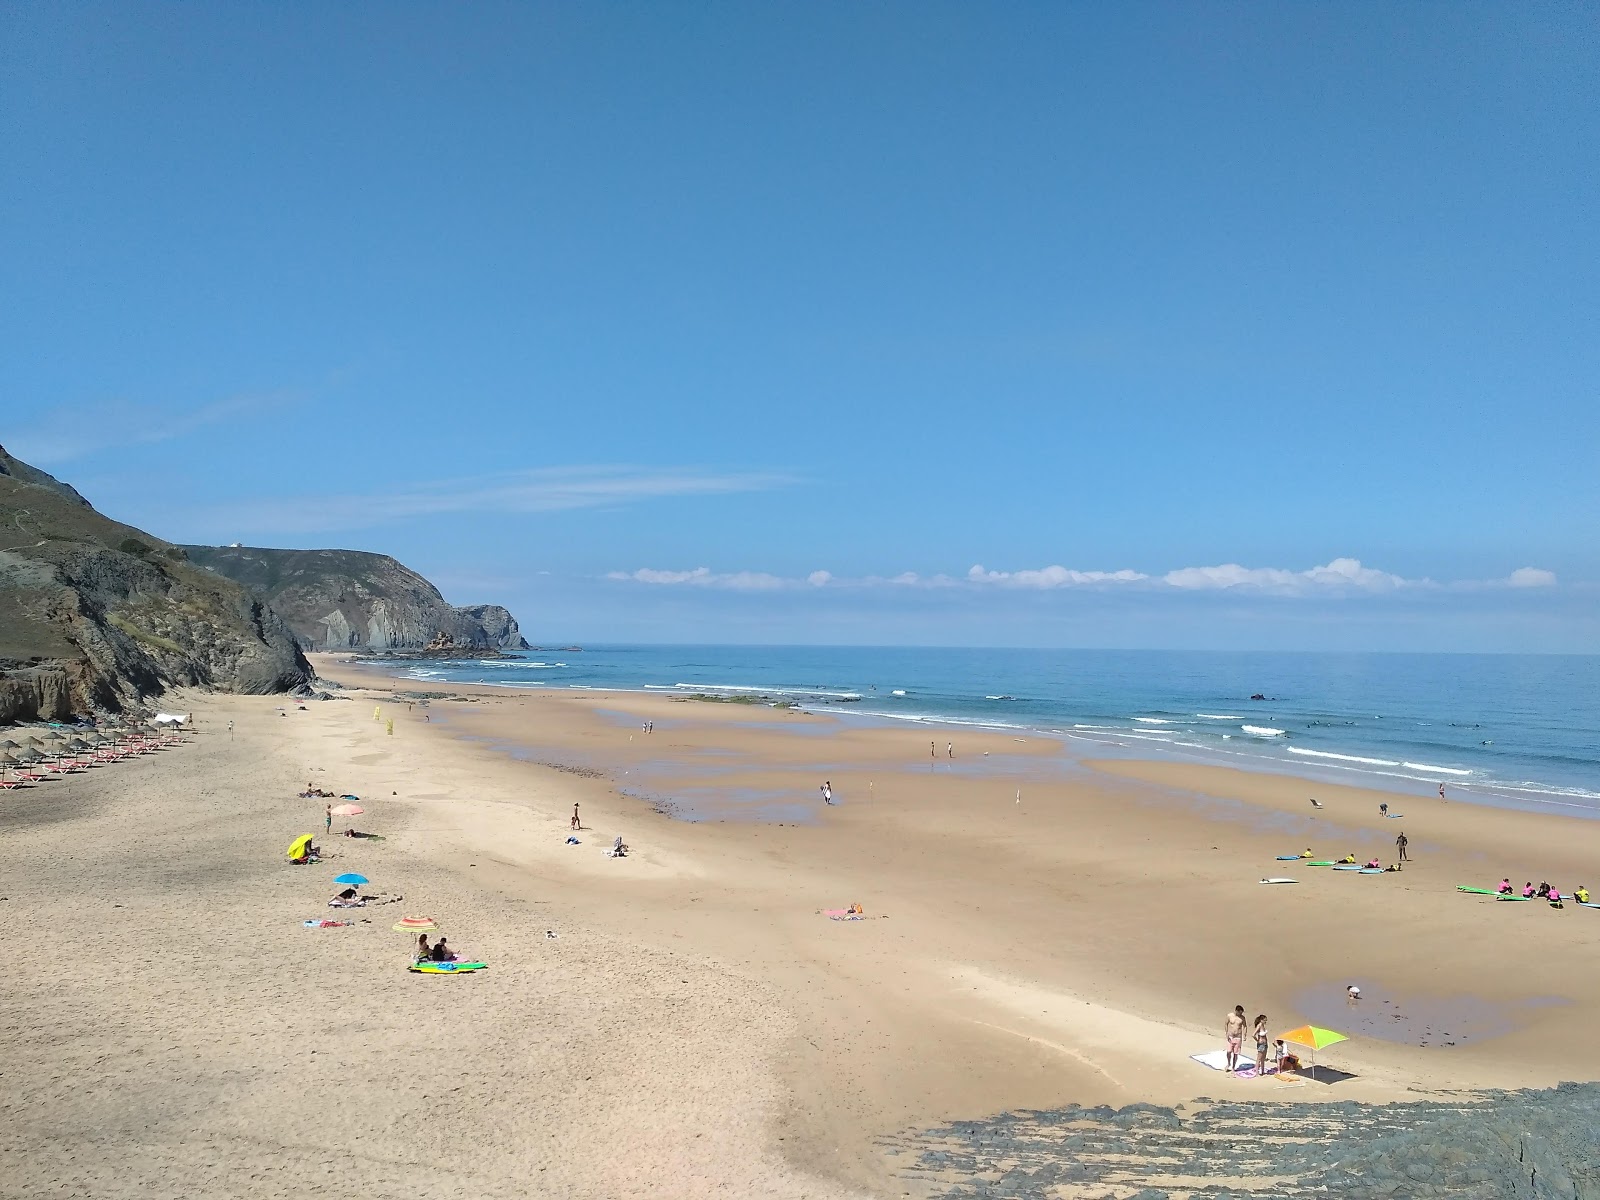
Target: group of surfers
<point x="1372" y="864"/>
<point x="1544" y="892"/>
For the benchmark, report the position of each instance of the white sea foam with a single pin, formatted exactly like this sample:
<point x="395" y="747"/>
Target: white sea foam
<point x="1430" y="768"/>
<point x="1355" y="758"/>
<point x="1219" y="717"/>
<point x="768" y="691"/>
<point x="898" y="692"/>
<point x="1152" y="721"/>
<point x="1264" y="731"/>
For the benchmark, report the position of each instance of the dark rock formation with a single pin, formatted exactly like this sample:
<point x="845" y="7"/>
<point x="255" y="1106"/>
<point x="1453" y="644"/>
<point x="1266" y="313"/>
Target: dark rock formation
<point x="353" y="600"/>
<point x="1541" y="1145"/>
<point x="97" y="614"/>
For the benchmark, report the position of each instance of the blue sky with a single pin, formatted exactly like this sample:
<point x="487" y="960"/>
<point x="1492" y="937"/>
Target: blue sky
<point x="1100" y="325"/>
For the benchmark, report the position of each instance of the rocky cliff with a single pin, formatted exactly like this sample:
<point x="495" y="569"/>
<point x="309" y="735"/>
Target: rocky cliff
<point x="353" y="600"/>
<point x="98" y="614"/>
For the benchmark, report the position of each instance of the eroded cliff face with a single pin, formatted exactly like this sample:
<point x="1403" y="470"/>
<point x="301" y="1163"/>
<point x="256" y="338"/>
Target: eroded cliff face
<point x="355" y="600"/>
<point x="95" y="614"/>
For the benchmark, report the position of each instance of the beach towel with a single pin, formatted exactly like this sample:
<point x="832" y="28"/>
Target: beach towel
<point x="1217" y="1060"/>
<point x="327" y="924"/>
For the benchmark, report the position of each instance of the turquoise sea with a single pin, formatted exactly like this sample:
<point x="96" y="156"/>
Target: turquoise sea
<point x="1519" y="730"/>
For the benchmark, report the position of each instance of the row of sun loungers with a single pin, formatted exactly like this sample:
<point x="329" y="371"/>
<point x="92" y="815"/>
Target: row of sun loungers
<point x="38" y="761"/>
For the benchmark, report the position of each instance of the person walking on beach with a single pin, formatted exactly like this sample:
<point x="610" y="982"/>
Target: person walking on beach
<point x="950" y="749"/>
<point x="327" y="817"/>
<point x="1441" y="791"/>
<point x="827" y="791"/>
<point x="576" y="824"/>
<point x="1262" y="1041"/>
<point x="1233" y="1030"/>
<point x="1400" y="844"/>
<point x="933" y="751"/>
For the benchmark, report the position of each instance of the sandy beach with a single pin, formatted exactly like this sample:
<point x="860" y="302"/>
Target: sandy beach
<point x="1039" y="930"/>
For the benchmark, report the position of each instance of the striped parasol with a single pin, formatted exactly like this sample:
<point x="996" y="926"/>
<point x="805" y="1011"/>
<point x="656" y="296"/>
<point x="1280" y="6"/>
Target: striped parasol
<point x="415" y="925"/>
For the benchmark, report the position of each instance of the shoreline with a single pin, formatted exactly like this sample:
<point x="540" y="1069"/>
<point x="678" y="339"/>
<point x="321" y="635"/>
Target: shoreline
<point x="1312" y="767"/>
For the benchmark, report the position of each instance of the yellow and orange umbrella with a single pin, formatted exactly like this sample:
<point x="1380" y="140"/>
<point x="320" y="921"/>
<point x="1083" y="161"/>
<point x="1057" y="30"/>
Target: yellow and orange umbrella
<point x="1315" y="1038"/>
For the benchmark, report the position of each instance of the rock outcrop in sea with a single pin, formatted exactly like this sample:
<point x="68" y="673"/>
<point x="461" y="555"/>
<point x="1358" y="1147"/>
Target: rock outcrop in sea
<point x="355" y="600"/>
<point x="95" y="614"/>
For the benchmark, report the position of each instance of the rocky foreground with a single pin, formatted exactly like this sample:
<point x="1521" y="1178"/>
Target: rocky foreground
<point x="1539" y="1144"/>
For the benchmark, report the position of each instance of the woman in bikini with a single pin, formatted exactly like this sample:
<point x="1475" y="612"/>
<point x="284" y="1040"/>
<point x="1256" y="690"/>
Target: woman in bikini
<point x="1261" y="1045"/>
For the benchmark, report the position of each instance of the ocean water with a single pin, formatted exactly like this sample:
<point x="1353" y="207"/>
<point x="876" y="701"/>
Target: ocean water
<point x="1521" y="730"/>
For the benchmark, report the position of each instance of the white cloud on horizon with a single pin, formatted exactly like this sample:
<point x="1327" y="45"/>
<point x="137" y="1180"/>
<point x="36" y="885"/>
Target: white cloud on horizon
<point x="1341" y="576"/>
<point x="1052" y="577"/>
<point x="1340" y="573"/>
<point x="1531" y="577"/>
<point x="743" y="581"/>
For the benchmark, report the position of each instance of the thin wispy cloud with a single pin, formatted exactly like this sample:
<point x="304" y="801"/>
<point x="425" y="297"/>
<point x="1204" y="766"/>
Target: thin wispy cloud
<point x="1342" y="576"/>
<point x="63" y="433"/>
<point x="539" y="490"/>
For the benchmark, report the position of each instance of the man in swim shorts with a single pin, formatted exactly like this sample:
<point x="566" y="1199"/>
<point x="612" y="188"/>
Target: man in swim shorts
<point x="1233" y="1030"/>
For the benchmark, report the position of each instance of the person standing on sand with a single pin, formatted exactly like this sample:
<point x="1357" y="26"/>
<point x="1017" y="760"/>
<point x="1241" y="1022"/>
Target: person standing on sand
<point x="1400" y="844"/>
<point x="1441" y="791"/>
<point x="827" y="791"/>
<point x="1233" y="1030"/>
<point x="933" y="751"/>
<point x="327" y="818"/>
<point x="576" y="824"/>
<point x="1261" y="1045"/>
<point x="950" y="749"/>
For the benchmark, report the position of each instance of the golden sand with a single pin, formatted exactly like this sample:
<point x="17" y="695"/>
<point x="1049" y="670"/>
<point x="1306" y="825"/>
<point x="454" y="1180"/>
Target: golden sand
<point x="697" y="1026"/>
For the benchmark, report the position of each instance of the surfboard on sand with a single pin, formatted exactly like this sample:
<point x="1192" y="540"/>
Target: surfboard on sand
<point x="1288" y="858"/>
<point x="1280" y="880"/>
<point x="1476" y="891"/>
<point x="1515" y="897"/>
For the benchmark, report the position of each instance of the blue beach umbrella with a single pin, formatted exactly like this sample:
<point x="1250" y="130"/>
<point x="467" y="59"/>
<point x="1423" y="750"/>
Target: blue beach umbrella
<point x="351" y="878"/>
